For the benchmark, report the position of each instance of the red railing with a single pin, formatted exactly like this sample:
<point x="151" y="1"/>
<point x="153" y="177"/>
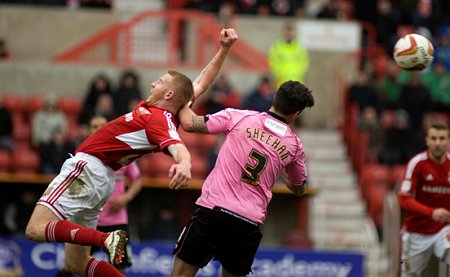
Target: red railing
<point x="117" y="44"/>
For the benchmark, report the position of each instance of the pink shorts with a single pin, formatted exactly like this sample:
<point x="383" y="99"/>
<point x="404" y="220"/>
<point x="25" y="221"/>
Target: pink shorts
<point x="80" y="190"/>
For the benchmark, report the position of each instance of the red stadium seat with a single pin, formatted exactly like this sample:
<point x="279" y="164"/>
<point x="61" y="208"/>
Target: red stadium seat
<point x="372" y="174"/>
<point x="5" y="161"/>
<point x="25" y="160"/>
<point x="396" y="176"/>
<point x="22" y="133"/>
<point x="156" y="165"/>
<point x="34" y="103"/>
<point x="70" y="105"/>
<point x="13" y="103"/>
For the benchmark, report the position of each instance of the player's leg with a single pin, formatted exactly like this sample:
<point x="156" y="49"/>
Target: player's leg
<point x="182" y="268"/>
<point x="78" y="261"/>
<point x="442" y="245"/>
<point x="194" y="249"/>
<point x="416" y="253"/>
<point x="237" y="243"/>
<point x="37" y="224"/>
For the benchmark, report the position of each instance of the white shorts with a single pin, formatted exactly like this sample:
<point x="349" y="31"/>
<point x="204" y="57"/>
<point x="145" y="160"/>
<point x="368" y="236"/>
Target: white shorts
<point x="417" y="250"/>
<point x="80" y="190"/>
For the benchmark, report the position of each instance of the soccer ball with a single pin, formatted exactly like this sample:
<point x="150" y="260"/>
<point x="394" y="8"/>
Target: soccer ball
<point x="413" y="52"/>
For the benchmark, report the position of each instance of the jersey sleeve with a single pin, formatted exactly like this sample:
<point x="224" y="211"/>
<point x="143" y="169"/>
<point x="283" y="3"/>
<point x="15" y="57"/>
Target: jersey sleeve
<point x="161" y="130"/>
<point x="220" y="122"/>
<point x="296" y="170"/>
<point x="407" y="191"/>
<point x="132" y="171"/>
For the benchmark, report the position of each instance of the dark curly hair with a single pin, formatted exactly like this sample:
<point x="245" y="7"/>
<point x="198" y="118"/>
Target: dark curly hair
<point x="292" y="97"/>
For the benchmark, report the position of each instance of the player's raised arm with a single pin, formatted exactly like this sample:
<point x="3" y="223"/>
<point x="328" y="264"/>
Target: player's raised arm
<point x="180" y="172"/>
<point x="227" y="38"/>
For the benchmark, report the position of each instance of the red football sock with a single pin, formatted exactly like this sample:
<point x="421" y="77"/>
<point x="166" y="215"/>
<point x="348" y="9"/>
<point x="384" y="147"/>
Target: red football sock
<point x="66" y="231"/>
<point x="99" y="268"/>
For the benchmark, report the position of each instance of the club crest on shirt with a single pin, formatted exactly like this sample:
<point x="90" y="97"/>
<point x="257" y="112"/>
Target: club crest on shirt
<point x="276" y="126"/>
<point x="141" y="111"/>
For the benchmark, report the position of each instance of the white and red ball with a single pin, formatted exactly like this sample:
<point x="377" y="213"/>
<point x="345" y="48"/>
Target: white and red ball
<point x="413" y="52"/>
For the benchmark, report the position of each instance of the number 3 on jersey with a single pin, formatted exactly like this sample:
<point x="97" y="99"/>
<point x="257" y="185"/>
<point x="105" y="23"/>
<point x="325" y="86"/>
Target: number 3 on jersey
<point x="251" y="175"/>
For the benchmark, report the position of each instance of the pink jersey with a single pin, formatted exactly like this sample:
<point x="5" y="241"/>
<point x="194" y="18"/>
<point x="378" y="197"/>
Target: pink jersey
<point x="130" y="136"/>
<point x="257" y="147"/>
<point x="109" y="218"/>
<point x="429" y="184"/>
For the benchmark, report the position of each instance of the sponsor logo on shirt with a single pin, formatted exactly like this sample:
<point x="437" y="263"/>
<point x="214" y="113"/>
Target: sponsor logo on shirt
<point x="173" y="134"/>
<point x="276" y="126"/>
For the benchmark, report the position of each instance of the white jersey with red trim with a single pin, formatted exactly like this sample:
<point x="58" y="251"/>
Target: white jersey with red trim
<point x="130" y="136"/>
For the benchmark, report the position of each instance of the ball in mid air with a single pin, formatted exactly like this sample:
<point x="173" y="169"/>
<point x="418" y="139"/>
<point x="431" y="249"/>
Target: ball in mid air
<point x="413" y="52"/>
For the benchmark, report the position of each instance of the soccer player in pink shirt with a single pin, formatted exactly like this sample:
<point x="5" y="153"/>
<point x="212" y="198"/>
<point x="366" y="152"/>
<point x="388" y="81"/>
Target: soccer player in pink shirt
<point x="259" y="147"/>
<point x="425" y="197"/>
<point x="68" y="210"/>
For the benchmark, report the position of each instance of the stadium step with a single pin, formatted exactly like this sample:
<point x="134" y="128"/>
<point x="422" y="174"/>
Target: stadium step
<point x="338" y="217"/>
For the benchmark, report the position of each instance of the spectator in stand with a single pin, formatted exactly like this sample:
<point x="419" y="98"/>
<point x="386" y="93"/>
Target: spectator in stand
<point x="227" y="14"/>
<point x="100" y="85"/>
<point x="128" y="93"/>
<point x="370" y="123"/>
<point x="55" y="152"/>
<point x="18" y="211"/>
<point x="386" y="24"/>
<point x="260" y="99"/>
<point x="395" y="148"/>
<point x="390" y="85"/>
<point x="438" y="81"/>
<point x="442" y="47"/>
<point x="203" y="5"/>
<point x="427" y="15"/>
<point x="104" y="4"/>
<point x="166" y="225"/>
<point x="424" y="196"/>
<point x="415" y="99"/>
<point x="288" y="58"/>
<point x="4" y="52"/>
<point x="46" y="121"/>
<point x="222" y="95"/>
<point x="363" y="93"/>
<point x="6" y="129"/>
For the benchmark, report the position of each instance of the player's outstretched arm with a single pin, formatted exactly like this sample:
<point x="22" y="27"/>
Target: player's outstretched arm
<point x="227" y="38"/>
<point x="180" y="172"/>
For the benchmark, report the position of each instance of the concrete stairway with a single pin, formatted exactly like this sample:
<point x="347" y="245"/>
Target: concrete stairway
<point x="338" y="219"/>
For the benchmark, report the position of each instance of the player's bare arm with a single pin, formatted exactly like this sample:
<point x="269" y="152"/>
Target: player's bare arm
<point x="191" y="122"/>
<point x="180" y="172"/>
<point x="298" y="190"/>
<point x="121" y="201"/>
<point x="227" y="38"/>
